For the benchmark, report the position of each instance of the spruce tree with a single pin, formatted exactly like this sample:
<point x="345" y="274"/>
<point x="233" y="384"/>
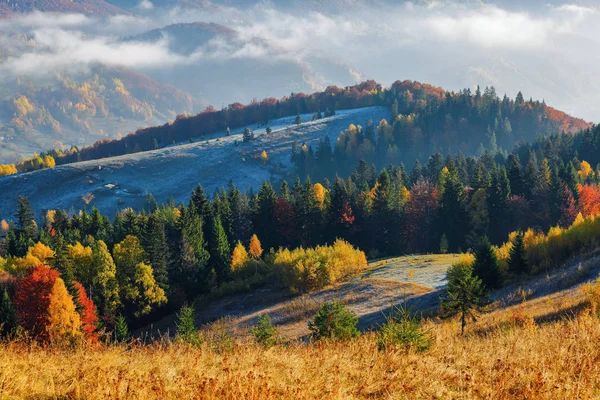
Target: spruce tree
<point x="220" y="252"/>
<point x="157" y="250"/>
<point x="381" y="213"/>
<point x="186" y="326"/>
<point x="486" y="265"/>
<point x="517" y="262"/>
<point x="201" y="203"/>
<point x="452" y="215"/>
<point x="263" y="220"/>
<point x="298" y="120"/>
<point x="192" y="271"/>
<point x="25" y="219"/>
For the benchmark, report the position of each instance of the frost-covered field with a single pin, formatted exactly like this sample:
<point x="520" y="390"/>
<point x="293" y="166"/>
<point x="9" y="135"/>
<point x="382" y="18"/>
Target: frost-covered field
<point x="176" y="170"/>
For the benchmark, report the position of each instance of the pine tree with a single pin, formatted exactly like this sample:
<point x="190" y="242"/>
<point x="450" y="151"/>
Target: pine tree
<point x="220" y="253"/>
<point x="486" y="265"/>
<point x="517" y="262"/>
<point x="298" y="120"/>
<point x="8" y="322"/>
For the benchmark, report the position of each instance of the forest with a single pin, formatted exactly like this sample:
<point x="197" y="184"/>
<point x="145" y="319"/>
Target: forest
<point x="425" y="120"/>
<point x="141" y="265"/>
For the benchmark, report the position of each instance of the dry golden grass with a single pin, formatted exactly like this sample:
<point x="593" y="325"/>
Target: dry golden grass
<point x="556" y="360"/>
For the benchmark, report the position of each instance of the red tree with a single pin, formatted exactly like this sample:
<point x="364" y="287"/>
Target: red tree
<point x="589" y="199"/>
<point x="568" y="211"/>
<point x="89" y="317"/>
<point x="32" y="298"/>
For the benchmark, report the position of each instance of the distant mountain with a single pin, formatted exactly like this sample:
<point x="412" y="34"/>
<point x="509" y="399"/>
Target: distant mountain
<point x="186" y="38"/>
<point x="243" y="73"/>
<point x="78" y="110"/>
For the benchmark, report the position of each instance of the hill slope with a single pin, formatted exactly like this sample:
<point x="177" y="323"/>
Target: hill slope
<point x="174" y="171"/>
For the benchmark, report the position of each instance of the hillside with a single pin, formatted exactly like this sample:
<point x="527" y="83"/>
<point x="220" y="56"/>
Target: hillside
<point x="418" y="280"/>
<point x="544" y="348"/>
<point x="75" y="110"/>
<point x="174" y="171"/>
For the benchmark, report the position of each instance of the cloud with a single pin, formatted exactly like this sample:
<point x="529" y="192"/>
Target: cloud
<point x="550" y="53"/>
<point x="59" y="49"/>
<point x="146" y="5"/>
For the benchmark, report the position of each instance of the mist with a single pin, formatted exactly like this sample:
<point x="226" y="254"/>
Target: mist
<point x="552" y="54"/>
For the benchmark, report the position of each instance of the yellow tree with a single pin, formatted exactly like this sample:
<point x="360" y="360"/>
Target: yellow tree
<point x="264" y="156"/>
<point x="255" y="247"/>
<point x="82" y="263"/>
<point x="239" y="256"/>
<point x="42" y="252"/>
<point x="320" y="192"/>
<point x="585" y="171"/>
<point x="64" y="324"/>
<point x="136" y="278"/>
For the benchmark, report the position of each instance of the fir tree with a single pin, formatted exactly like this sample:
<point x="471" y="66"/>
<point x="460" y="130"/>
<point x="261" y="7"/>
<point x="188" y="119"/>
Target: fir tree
<point x="298" y="120"/>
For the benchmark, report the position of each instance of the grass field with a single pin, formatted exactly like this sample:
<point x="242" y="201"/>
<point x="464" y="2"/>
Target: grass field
<point x="427" y="270"/>
<point x="513" y="357"/>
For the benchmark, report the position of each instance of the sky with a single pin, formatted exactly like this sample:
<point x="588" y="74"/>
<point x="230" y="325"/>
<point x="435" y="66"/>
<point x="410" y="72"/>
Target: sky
<point x="550" y="52"/>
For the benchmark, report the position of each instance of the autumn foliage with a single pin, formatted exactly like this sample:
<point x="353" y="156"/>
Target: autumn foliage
<point x="32" y="300"/>
<point x="303" y="269"/>
<point x="89" y="318"/>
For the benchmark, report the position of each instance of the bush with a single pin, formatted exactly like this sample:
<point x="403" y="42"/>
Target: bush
<point x="405" y="330"/>
<point x="333" y="321"/>
<point x="303" y="270"/>
<point x="264" y="332"/>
